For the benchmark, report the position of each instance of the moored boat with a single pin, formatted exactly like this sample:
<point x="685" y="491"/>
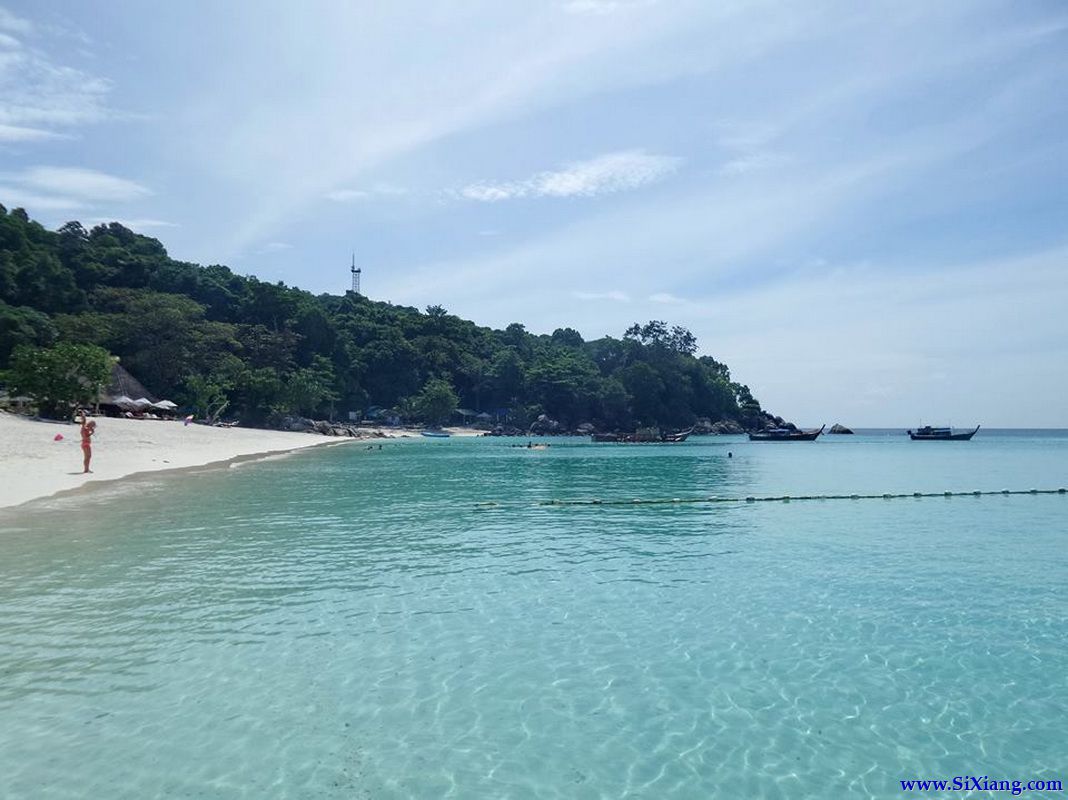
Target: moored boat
<point x="929" y="434"/>
<point x="644" y="435"/>
<point x="786" y="435"/>
<point x="678" y="436"/>
<point x="436" y="434"/>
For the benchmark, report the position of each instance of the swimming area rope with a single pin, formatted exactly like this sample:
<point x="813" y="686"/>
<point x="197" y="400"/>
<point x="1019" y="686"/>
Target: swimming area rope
<point x="785" y="498"/>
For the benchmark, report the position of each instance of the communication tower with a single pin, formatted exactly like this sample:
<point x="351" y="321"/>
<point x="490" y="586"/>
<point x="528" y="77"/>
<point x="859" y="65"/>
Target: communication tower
<point x="355" y="275"/>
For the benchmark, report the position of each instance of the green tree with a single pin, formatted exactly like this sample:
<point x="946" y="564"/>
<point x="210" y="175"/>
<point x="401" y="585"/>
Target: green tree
<point x="60" y="377"/>
<point x="310" y="389"/>
<point x="207" y="397"/>
<point x="436" y="402"/>
<point x="23" y="326"/>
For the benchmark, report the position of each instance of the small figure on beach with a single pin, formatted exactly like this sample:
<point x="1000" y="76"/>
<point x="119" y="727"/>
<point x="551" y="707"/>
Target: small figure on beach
<point x="88" y="429"/>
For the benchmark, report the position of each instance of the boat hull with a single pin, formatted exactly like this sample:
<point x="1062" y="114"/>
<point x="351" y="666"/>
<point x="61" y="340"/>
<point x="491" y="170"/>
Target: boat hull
<point x="792" y="436"/>
<point x="943" y="437"/>
<point x="435" y="434"/>
<point x="643" y="437"/>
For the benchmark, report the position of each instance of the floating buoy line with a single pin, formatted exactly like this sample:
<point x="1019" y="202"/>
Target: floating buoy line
<point x="784" y="498"/>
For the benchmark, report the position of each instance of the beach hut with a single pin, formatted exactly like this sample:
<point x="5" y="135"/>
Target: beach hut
<point x="124" y="387"/>
<point x="120" y="393"/>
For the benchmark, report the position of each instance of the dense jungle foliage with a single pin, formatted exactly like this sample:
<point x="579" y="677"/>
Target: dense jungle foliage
<point x="208" y="338"/>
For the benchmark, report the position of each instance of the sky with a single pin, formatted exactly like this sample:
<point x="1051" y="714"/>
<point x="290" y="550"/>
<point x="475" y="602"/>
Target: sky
<point x="862" y="208"/>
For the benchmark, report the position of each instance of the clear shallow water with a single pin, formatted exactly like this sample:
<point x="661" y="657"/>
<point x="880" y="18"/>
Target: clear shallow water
<point x="347" y="624"/>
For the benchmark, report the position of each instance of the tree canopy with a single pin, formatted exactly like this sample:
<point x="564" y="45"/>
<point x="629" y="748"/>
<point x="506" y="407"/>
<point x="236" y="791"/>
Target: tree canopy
<point x="61" y="377"/>
<point x="214" y="340"/>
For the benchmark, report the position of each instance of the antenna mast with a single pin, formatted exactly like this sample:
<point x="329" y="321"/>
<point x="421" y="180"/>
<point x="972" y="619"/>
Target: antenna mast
<point x="355" y="275"/>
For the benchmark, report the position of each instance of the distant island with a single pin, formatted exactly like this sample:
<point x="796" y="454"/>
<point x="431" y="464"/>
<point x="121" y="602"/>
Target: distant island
<point x="224" y="345"/>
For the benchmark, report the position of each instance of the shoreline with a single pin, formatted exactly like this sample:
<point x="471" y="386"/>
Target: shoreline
<point x="34" y="466"/>
<point x="103" y="484"/>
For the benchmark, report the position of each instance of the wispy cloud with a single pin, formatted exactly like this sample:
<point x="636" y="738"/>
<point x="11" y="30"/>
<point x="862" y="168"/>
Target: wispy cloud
<point x="82" y="184"/>
<point x="47" y="188"/>
<point x="600" y="8"/>
<point x="347" y="195"/>
<point x="39" y="94"/>
<point x="275" y="247"/>
<point x="10" y="22"/>
<point x="19" y="196"/>
<point x="377" y="190"/>
<point x="18" y="133"/>
<point x="615" y="295"/>
<point x="135" y="224"/>
<point x="666" y="298"/>
<point x="613" y="172"/>
<point x="752" y="162"/>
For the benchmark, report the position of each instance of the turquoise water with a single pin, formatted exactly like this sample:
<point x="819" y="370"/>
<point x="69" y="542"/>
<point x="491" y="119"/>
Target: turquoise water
<point x="346" y="623"/>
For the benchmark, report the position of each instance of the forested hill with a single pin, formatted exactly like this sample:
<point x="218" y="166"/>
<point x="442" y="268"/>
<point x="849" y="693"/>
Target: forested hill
<point x="206" y="337"/>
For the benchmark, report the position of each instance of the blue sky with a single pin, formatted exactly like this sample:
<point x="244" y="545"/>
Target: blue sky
<point x="861" y="208"/>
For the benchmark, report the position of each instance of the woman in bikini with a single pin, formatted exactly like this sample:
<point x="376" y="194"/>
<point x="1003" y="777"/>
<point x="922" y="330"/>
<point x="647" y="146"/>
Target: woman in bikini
<point x="88" y="429"/>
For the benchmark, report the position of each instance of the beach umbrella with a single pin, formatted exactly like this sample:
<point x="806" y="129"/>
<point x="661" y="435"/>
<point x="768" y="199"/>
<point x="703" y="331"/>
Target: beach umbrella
<point x="122" y="400"/>
<point x="166" y="405"/>
<point x="142" y="402"/>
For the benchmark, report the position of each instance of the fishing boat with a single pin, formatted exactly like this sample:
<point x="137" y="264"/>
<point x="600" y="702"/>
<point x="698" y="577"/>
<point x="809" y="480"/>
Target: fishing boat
<point x="652" y="435"/>
<point x="786" y="435"/>
<point x="436" y="434"/>
<point x="677" y="436"/>
<point x="929" y="434"/>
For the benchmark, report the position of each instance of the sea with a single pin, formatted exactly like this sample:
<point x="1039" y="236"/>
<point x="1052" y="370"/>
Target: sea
<point x="457" y="618"/>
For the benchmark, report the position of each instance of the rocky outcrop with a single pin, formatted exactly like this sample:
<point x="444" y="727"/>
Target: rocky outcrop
<point x="837" y="428"/>
<point x="323" y="427"/>
<point x="585" y="429"/>
<point x="544" y="426"/>
<point x="726" y="426"/>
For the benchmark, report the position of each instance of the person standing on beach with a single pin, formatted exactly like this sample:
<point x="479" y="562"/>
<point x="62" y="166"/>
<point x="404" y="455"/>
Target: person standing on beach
<point x="88" y="429"/>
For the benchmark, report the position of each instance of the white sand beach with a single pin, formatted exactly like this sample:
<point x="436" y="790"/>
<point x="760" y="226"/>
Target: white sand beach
<point x="34" y="465"/>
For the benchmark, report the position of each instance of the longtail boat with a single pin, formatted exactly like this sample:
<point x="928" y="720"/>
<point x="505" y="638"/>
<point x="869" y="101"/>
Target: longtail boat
<point x="786" y="435"/>
<point x="643" y="435"/>
<point x="929" y="434"/>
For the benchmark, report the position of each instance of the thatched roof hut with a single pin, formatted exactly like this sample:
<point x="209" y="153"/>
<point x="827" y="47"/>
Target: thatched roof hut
<point x="123" y="384"/>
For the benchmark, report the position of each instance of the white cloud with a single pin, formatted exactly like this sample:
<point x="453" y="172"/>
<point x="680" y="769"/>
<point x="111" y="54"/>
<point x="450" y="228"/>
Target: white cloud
<point x="347" y="195"/>
<point x="18" y="196"/>
<point x="666" y="298"/>
<point x="38" y="92"/>
<point x="276" y="247"/>
<point x="9" y="22"/>
<point x="613" y="172"/>
<point x="16" y="133"/>
<point x="615" y="294"/>
<point x="752" y="162"/>
<point x="136" y="224"/>
<point x="600" y="8"/>
<point x="82" y="184"/>
<point x="378" y="189"/>
<point x="40" y="189"/>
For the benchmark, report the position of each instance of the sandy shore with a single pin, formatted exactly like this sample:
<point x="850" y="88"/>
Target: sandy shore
<point x="33" y="465"/>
